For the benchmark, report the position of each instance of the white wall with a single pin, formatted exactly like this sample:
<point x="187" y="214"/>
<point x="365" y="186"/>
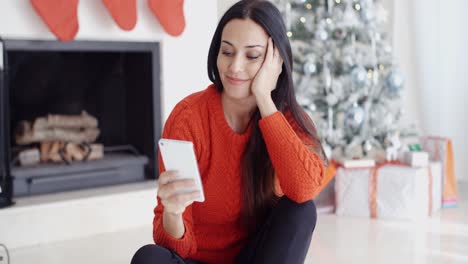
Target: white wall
<point x="453" y="39"/>
<point x="223" y="6"/>
<point x="183" y="58"/>
<point x="398" y="25"/>
<point x="431" y="40"/>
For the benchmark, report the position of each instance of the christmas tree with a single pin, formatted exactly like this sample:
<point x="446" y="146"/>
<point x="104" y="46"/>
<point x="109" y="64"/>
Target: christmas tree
<point x="345" y="75"/>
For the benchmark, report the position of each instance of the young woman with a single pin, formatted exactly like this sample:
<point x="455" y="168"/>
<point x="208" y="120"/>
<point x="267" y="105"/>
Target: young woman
<point x="259" y="156"/>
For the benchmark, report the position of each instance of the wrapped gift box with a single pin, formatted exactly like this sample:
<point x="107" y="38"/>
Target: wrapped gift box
<point x="389" y="191"/>
<point x="416" y="158"/>
<point x="440" y="149"/>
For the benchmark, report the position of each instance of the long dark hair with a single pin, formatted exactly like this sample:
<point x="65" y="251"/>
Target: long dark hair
<point x="256" y="168"/>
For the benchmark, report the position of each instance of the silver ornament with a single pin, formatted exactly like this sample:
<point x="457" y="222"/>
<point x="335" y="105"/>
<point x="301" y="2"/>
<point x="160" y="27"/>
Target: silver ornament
<point x="310" y="68"/>
<point x="310" y="65"/>
<point x="394" y="82"/>
<point x="354" y="118"/>
<point x="321" y="34"/>
<point x="359" y="76"/>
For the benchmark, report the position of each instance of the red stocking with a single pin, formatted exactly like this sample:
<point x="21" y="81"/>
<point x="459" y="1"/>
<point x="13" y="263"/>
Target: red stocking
<point x="123" y="12"/>
<point x="170" y="14"/>
<point x="60" y="16"/>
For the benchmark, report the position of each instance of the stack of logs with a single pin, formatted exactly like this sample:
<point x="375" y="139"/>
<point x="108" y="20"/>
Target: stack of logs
<point x="61" y="138"/>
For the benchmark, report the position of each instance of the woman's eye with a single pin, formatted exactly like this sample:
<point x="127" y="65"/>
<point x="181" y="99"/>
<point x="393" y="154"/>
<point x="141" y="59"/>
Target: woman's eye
<point x="253" y="57"/>
<point x="226" y="53"/>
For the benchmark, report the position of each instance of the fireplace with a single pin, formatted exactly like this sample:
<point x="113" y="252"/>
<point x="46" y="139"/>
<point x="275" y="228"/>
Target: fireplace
<point x="118" y="83"/>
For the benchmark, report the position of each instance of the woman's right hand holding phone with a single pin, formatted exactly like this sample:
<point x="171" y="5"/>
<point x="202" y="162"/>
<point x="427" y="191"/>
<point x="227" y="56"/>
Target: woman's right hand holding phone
<point x="169" y="190"/>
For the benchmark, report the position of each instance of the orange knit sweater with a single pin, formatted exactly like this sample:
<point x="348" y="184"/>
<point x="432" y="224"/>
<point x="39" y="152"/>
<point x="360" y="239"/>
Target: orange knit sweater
<point x="212" y="233"/>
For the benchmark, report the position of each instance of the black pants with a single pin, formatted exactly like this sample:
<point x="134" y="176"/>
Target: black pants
<point x="284" y="238"/>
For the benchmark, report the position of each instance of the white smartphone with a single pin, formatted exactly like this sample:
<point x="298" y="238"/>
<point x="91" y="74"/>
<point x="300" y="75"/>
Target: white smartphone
<point x="179" y="155"/>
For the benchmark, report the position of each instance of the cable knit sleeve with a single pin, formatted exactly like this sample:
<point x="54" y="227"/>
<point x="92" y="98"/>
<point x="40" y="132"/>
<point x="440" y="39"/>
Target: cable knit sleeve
<point x="177" y="127"/>
<point x="299" y="170"/>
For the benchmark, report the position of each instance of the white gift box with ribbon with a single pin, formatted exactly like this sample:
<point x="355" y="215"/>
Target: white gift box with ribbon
<point x="389" y="191"/>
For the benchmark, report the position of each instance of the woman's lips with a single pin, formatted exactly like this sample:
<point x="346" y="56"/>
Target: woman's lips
<point x="235" y="81"/>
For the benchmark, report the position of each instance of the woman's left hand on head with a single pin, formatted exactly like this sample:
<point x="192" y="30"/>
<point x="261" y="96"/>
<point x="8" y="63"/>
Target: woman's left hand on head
<point x="267" y="76"/>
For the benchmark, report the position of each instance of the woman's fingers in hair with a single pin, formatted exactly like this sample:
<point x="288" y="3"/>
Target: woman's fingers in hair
<point x="270" y="49"/>
<point x="275" y="49"/>
<point x="273" y="53"/>
<point x="276" y="60"/>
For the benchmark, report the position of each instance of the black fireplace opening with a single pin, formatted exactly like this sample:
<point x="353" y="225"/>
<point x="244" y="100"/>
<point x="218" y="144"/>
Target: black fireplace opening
<point x="118" y="83"/>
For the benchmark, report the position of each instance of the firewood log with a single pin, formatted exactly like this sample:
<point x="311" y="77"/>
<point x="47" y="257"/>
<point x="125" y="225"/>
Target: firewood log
<point x="45" y="150"/>
<point x="24" y="136"/>
<point x="97" y="152"/>
<point x="75" y="151"/>
<point x="65" y="121"/>
<point x="54" y="154"/>
<point x="68" y="152"/>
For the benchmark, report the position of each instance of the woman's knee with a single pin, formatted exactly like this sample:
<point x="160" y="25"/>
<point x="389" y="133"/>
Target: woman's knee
<point x="305" y="212"/>
<point x="147" y="254"/>
<point x="310" y="210"/>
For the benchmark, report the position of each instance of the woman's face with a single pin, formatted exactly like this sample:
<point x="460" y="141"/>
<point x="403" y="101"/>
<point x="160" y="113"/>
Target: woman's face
<point x="241" y="54"/>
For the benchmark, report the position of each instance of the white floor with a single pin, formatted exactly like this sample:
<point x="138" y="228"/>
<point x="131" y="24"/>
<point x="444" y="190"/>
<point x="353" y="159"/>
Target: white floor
<point x="441" y="239"/>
